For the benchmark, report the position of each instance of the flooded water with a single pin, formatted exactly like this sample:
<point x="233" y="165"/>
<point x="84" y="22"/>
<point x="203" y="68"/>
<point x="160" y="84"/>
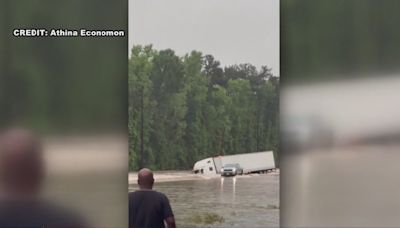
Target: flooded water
<point x="243" y="201"/>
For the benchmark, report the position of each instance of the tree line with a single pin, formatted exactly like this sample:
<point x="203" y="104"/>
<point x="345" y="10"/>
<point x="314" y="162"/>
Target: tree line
<point x="186" y="108"/>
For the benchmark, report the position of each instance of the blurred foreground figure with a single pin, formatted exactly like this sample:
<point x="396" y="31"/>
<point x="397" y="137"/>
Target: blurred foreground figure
<point x="22" y="173"/>
<point x="148" y="208"/>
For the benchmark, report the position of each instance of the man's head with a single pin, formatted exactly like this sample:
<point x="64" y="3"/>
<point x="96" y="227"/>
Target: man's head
<point x="145" y="179"/>
<point x="21" y="163"/>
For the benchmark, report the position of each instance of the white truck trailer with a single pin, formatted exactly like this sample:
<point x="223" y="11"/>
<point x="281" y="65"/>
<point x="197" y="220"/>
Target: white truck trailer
<point x="256" y="162"/>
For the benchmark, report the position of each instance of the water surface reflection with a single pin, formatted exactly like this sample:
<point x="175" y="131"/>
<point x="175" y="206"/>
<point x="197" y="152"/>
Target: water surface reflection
<point x="241" y="201"/>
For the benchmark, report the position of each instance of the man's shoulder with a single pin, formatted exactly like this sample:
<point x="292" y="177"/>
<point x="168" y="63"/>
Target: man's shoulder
<point x="140" y="193"/>
<point x="64" y="215"/>
<point x="160" y="194"/>
<point x="38" y="213"/>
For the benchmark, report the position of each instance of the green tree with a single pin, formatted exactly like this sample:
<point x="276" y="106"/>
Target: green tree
<point x="197" y="88"/>
<point x="169" y="124"/>
<point x="141" y="106"/>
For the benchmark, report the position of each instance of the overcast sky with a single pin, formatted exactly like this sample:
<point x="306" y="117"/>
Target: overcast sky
<point x="233" y="31"/>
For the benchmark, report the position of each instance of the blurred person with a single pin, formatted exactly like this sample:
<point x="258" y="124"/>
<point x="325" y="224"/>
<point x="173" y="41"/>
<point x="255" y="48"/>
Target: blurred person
<point x="149" y="208"/>
<point x="22" y="173"/>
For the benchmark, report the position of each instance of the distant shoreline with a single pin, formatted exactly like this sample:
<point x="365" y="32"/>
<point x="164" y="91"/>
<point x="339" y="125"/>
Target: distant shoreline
<point x="171" y="176"/>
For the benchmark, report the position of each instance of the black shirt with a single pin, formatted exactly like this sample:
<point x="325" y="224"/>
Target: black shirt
<point x="148" y="209"/>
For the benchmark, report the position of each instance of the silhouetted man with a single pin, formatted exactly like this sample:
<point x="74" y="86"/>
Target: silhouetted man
<point x="148" y="208"/>
<point x="21" y="176"/>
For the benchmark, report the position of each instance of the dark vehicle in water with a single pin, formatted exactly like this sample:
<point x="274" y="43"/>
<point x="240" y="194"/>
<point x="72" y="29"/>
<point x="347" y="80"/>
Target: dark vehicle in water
<point x="231" y="170"/>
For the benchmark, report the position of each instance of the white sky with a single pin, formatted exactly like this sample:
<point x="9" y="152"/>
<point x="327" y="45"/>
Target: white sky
<point x="233" y="31"/>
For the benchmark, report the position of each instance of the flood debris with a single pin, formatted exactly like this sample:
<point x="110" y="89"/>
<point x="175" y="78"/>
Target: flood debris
<point x="206" y="218"/>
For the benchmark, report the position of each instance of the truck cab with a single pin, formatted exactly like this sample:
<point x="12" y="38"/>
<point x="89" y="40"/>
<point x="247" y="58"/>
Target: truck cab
<point x="205" y="166"/>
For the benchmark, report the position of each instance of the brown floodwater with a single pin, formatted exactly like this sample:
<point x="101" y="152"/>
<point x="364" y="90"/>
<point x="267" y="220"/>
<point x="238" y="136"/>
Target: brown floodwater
<point x="243" y="201"/>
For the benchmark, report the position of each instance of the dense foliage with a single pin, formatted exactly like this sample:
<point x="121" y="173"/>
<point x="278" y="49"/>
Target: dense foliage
<point x="182" y="109"/>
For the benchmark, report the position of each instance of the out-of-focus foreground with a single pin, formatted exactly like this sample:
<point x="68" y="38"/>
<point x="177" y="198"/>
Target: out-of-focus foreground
<point x="71" y="93"/>
<point x="339" y="113"/>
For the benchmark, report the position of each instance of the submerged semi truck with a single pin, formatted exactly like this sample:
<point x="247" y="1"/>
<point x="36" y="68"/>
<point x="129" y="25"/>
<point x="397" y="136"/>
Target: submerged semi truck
<point x="256" y="162"/>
